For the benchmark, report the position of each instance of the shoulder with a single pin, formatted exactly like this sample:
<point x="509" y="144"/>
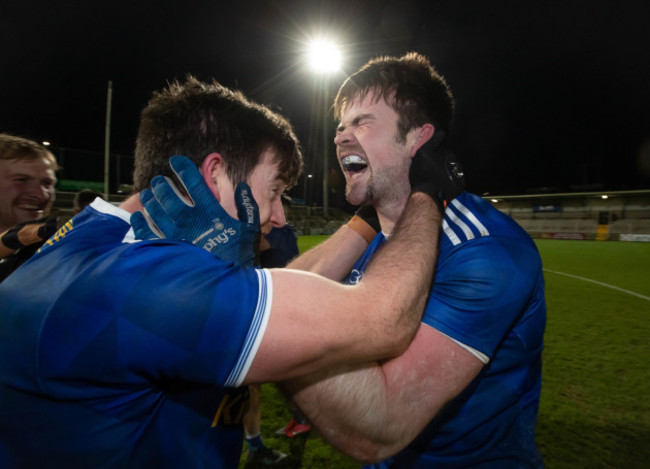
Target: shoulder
<point x="472" y="224"/>
<point x="469" y="217"/>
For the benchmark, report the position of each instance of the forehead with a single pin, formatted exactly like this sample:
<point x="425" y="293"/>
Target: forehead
<point x="371" y="103"/>
<point x="40" y="166"/>
<point x="268" y="169"/>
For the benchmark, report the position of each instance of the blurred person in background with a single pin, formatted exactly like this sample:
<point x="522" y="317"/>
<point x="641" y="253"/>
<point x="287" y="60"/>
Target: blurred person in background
<point x="83" y="198"/>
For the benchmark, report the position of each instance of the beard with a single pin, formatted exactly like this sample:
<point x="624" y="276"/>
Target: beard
<point x="381" y="186"/>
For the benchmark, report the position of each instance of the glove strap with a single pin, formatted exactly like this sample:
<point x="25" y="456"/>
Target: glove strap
<point x="362" y="227"/>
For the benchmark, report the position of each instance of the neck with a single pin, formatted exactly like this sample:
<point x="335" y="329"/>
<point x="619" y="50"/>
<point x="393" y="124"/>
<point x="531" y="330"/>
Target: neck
<point x="132" y="204"/>
<point x="389" y="212"/>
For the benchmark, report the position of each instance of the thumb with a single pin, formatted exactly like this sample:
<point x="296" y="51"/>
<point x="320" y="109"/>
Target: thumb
<point x="247" y="209"/>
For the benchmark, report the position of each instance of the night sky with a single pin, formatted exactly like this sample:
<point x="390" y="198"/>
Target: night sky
<point x="551" y="95"/>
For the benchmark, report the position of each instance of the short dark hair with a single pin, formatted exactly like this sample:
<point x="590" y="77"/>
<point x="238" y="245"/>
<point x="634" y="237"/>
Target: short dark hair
<point x="13" y="147"/>
<point x="195" y="119"/>
<point x="409" y="84"/>
<point x="84" y="197"/>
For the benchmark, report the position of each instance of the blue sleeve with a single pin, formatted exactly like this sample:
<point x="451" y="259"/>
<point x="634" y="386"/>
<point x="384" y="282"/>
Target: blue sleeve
<point x="159" y="315"/>
<point x="481" y="288"/>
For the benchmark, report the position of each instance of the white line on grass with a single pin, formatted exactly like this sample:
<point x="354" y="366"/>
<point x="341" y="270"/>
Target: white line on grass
<point x="647" y="298"/>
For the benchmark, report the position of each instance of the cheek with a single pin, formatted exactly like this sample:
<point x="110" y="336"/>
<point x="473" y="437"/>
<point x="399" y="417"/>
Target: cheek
<point x="265" y="212"/>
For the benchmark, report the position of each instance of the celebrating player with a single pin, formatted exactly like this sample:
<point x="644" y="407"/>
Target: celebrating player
<point x="466" y="392"/>
<point x="117" y="353"/>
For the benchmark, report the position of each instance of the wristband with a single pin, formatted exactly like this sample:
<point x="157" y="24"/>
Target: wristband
<point x="363" y="228"/>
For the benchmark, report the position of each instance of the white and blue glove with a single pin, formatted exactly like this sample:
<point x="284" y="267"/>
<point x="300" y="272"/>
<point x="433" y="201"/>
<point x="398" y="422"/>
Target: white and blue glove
<point x="201" y="221"/>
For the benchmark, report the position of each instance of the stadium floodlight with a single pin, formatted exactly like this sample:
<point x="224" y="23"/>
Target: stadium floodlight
<point x="324" y="56"/>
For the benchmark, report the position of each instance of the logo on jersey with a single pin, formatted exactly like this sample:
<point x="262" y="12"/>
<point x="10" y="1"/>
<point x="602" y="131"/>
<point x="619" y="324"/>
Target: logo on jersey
<point x="354" y="277"/>
<point x="59" y="235"/>
<point x="232" y="408"/>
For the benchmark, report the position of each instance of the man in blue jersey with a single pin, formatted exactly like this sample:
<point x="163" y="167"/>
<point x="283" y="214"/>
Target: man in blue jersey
<point x="466" y="392"/>
<point x="123" y="353"/>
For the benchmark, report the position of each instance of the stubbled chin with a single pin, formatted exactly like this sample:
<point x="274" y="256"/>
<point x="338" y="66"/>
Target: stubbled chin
<point x="355" y="192"/>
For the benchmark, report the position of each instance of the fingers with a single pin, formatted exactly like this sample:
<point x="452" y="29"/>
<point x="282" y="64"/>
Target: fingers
<point x="159" y="220"/>
<point x="141" y="227"/>
<point x="191" y="178"/>
<point x="247" y="209"/>
<point x="436" y="171"/>
<point x="48" y="228"/>
<point x="166" y="192"/>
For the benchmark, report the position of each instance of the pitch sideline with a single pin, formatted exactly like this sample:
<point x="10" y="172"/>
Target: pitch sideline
<point x="629" y="292"/>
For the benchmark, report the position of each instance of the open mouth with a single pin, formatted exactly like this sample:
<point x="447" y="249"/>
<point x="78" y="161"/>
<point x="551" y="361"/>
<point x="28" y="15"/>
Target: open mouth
<point x="36" y="209"/>
<point x="353" y="163"/>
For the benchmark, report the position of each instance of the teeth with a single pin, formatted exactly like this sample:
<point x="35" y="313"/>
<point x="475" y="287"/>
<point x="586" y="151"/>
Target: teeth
<point x="353" y="163"/>
<point x="29" y="207"/>
<point x="353" y="159"/>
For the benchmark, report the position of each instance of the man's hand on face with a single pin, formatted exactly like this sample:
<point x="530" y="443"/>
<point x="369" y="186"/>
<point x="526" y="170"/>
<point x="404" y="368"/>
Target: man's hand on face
<point x="201" y="221"/>
<point x="436" y="172"/>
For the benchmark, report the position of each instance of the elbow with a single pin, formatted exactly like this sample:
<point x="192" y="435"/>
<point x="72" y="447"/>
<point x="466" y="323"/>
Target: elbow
<point x="399" y="335"/>
<point x="398" y="324"/>
<point x="398" y="343"/>
<point x="371" y="452"/>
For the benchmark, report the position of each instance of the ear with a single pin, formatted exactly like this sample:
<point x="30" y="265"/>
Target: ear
<point x="212" y="169"/>
<point x="422" y="135"/>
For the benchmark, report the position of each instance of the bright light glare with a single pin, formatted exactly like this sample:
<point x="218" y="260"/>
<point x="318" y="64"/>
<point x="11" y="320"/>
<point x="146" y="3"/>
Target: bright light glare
<point x="604" y="196"/>
<point x="324" y="56"/>
<point x="46" y="143"/>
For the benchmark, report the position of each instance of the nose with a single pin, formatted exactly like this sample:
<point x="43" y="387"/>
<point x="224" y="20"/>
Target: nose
<point x="342" y="137"/>
<point x="277" y="218"/>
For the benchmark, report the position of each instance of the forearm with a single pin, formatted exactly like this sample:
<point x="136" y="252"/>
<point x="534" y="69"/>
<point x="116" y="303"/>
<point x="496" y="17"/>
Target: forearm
<point x="410" y="253"/>
<point x="371" y="412"/>
<point x="334" y="257"/>
<point x="5" y="250"/>
<point x="351" y="408"/>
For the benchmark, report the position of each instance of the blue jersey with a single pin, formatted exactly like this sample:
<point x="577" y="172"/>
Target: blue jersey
<point x="488" y="296"/>
<point x="125" y="354"/>
<point x="283" y="247"/>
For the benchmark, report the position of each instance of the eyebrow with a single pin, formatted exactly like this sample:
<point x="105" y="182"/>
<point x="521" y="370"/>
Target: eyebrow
<point x="31" y="176"/>
<point x="355" y="121"/>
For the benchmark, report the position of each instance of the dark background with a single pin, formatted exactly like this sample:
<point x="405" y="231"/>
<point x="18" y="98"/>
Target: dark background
<point x="551" y="95"/>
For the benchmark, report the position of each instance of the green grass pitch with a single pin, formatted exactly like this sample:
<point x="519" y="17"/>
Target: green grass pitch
<point x="595" y="405"/>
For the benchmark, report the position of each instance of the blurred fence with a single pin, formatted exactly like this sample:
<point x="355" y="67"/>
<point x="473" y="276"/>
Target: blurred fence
<point x="619" y="215"/>
<point x="85" y="169"/>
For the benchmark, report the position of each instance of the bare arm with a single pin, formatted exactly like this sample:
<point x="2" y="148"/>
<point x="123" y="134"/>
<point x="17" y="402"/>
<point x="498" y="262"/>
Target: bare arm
<point x="316" y="322"/>
<point x="372" y="411"/>
<point x="334" y="257"/>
